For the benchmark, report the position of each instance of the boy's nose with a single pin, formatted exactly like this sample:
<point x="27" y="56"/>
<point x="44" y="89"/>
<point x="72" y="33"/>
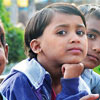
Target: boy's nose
<point x="97" y="49"/>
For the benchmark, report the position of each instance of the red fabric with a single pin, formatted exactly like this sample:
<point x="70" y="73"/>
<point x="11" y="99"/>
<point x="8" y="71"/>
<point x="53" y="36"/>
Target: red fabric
<point x="53" y="95"/>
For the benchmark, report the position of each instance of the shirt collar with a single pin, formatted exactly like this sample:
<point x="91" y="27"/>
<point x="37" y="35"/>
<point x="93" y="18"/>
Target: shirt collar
<point x="33" y="70"/>
<point x="83" y="86"/>
<point x="87" y="73"/>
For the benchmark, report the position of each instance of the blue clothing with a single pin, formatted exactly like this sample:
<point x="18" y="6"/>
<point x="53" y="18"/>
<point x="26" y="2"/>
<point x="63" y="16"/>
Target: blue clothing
<point x="92" y="79"/>
<point x="28" y="80"/>
<point x="2" y="96"/>
<point x="70" y="90"/>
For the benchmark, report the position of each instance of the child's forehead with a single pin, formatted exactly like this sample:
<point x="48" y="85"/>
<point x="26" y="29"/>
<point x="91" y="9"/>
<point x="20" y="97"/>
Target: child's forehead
<point x="64" y="17"/>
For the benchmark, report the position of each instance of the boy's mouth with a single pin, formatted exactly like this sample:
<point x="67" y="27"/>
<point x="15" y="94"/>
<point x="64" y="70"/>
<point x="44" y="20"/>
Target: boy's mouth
<point x="93" y="57"/>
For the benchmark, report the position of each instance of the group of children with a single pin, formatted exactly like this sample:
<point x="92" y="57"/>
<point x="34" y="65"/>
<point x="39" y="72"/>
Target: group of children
<point x="63" y="47"/>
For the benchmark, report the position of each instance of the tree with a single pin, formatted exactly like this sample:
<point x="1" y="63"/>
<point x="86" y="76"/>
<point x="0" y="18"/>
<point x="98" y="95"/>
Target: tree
<point x="14" y="36"/>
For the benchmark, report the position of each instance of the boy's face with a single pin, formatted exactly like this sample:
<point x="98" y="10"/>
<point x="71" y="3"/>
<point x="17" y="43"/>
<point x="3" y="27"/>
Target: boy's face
<point x="93" y="32"/>
<point x="64" y="40"/>
<point x="3" y="56"/>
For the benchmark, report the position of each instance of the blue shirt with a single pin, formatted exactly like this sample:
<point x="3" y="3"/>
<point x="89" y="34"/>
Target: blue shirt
<point x="92" y="79"/>
<point x="2" y="96"/>
<point x="28" y="80"/>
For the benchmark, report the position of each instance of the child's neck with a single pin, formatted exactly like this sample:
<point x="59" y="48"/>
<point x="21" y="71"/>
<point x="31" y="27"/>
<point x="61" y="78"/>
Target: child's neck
<point x="55" y="72"/>
<point x="56" y="85"/>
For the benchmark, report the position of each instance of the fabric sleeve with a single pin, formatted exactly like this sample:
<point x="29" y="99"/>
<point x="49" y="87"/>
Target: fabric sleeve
<point x="95" y="83"/>
<point x="18" y="87"/>
<point x="2" y="97"/>
<point x="70" y="90"/>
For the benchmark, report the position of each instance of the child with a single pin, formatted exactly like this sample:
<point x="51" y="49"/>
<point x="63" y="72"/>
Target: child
<point x="3" y="49"/>
<point x="54" y="36"/>
<point x="3" y="53"/>
<point x="93" y="56"/>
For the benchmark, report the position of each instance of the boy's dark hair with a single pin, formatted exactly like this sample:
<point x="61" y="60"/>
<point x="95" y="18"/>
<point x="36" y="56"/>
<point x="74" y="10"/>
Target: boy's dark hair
<point x="90" y="10"/>
<point x="2" y="34"/>
<point x="94" y="13"/>
<point x="85" y="8"/>
<point x="42" y="18"/>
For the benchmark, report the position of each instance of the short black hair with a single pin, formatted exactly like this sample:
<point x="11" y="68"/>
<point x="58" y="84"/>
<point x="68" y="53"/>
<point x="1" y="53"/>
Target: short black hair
<point x="42" y="18"/>
<point x="90" y="10"/>
<point x="94" y="13"/>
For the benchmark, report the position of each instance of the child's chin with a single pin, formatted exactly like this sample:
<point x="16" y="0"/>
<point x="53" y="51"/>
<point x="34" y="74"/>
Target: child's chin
<point x="74" y="61"/>
<point x="89" y="65"/>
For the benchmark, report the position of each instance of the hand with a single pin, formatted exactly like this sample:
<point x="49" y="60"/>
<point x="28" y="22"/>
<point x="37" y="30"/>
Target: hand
<point x="90" y="97"/>
<point x="72" y="70"/>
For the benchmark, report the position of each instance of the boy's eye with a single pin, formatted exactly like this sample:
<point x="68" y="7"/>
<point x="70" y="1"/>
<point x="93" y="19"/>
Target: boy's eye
<point x="91" y="36"/>
<point x="62" y="32"/>
<point x="81" y="33"/>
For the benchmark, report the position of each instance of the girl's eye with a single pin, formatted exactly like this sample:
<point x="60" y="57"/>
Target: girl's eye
<point x="91" y="36"/>
<point x="62" y="32"/>
<point x="81" y="33"/>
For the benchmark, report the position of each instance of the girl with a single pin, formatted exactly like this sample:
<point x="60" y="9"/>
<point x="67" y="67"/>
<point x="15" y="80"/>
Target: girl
<point x="54" y="36"/>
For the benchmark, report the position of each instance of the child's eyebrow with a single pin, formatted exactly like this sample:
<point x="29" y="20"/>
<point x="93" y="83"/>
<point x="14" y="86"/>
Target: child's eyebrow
<point x="81" y="26"/>
<point x="96" y="31"/>
<point x="62" y="25"/>
<point x="67" y="25"/>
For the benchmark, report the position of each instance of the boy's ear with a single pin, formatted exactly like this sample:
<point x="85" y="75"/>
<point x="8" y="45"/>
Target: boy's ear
<point x="6" y="52"/>
<point x="35" y="46"/>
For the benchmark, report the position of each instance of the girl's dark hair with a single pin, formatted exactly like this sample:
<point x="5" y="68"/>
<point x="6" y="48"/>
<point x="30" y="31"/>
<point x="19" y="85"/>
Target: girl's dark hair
<point x="42" y="18"/>
<point x="2" y="34"/>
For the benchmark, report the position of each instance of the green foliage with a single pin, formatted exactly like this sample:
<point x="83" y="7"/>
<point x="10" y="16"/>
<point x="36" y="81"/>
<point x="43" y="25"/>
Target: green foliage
<point x="15" y="39"/>
<point x="14" y="36"/>
<point x="97" y="69"/>
<point x="4" y="15"/>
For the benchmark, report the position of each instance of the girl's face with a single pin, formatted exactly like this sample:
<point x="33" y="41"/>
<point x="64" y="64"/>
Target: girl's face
<point x="93" y="32"/>
<point x="63" y="41"/>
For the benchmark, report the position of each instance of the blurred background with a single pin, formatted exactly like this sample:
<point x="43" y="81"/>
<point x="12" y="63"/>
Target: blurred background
<point x="15" y="15"/>
<point x="21" y="10"/>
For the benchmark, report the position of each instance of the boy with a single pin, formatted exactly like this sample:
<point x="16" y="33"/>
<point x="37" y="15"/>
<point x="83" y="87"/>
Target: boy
<point x="93" y="56"/>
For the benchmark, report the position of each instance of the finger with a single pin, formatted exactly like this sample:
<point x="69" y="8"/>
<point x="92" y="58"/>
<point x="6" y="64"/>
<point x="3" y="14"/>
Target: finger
<point x="81" y="65"/>
<point x="63" y="69"/>
<point x="90" y="97"/>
